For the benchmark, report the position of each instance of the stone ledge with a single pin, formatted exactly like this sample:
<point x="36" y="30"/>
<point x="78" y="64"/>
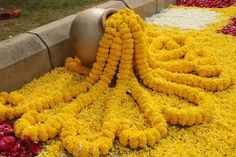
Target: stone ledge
<point x="22" y="58"/>
<point x="56" y="37"/>
<point x="112" y="4"/>
<point x="144" y="8"/>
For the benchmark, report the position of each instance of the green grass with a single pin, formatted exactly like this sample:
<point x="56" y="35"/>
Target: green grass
<point x="39" y="12"/>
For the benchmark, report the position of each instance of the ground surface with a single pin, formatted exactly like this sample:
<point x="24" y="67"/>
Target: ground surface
<point x="39" y="12"/>
<point x="214" y="138"/>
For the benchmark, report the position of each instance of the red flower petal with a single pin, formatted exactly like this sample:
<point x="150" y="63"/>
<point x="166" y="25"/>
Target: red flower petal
<point x="26" y="140"/>
<point x="10" y="140"/>
<point x="4" y="146"/>
<point x="10" y="146"/>
<point x="35" y="148"/>
<point x="207" y="3"/>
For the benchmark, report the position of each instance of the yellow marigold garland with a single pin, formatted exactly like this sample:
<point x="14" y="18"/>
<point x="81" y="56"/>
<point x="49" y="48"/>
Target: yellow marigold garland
<point x="149" y="136"/>
<point x="74" y="64"/>
<point x="13" y="99"/>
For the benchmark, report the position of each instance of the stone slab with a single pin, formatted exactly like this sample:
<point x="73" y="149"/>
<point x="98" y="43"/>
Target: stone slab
<point x="56" y="37"/>
<point x="112" y="4"/>
<point x="162" y="4"/>
<point x="144" y="8"/>
<point x="22" y="58"/>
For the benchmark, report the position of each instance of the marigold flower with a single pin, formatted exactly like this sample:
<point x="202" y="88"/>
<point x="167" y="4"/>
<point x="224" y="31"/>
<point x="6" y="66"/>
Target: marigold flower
<point x="104" y="149"/>
<point x="191" y="118"/>
<point x="142" y="140"/>
<point x="182" y="118"/>
<point x="150" y="138"/>
<point x="34" y="134"/>
<point x="116" y="46"/>
<point x="15" y="98"/>
<point x="134" y="140"/>
<point x="173" y="117"/>
<point x="123" y="137"/>
<point x="9" y="112"/>
<point x="126" y="36"/>
<point x="110" y="31"/>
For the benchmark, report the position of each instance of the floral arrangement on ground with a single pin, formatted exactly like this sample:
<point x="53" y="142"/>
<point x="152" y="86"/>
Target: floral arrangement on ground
<point x="153" y="91"/>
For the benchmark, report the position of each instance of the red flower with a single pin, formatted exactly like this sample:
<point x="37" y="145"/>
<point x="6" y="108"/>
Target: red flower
<point x="206" y="3"/>
<point x="10" y="146"/>
<point x="230" y="28"/>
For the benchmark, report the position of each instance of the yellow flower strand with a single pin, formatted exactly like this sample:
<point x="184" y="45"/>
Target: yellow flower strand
<point x="13" y="99"/>
<point x="149" y="136"/>
<point x="184" y="66"/>
<point x="74" y="64"/>
<point x="211" y="84"/>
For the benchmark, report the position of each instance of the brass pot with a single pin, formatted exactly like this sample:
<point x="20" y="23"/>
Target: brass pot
<point x="86" y="32"/>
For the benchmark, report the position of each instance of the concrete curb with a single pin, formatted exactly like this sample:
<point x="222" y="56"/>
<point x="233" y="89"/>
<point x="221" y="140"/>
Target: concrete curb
<point x="56" y="36"/>
<point x="22" y="58"/>
<point x="144" y="8"/>
<point x="31" y="54"/>
<point x="112" y="4"/>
